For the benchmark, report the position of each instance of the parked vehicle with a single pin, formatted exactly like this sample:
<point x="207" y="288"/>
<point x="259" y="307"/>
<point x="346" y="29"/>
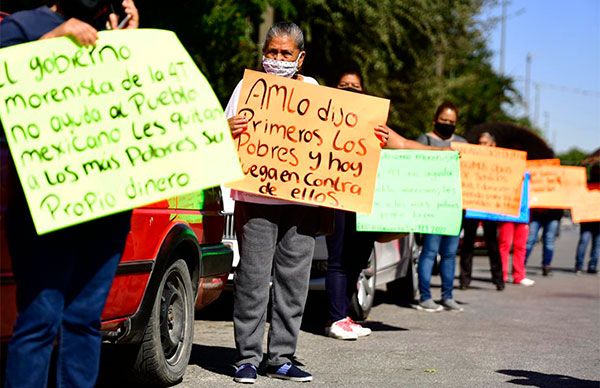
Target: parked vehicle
<point x="174" y="261"/>
<point x="392" y="264"/>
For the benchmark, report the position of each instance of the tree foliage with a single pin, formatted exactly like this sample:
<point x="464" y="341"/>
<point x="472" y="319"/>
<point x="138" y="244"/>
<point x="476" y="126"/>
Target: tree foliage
<point x="417" y="53"/>
<point x="220" y="35"/>
<point x="572" y="157"/>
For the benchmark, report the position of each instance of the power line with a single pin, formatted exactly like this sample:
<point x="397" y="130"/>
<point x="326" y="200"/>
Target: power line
<point x="569" y="89"/>
<point x="563" y="88"/>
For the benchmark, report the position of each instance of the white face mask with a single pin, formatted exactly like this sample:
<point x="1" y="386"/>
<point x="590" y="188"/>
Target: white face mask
<point x="281" y="68"/>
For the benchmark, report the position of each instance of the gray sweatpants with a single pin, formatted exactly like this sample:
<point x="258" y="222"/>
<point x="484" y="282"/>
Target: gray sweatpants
<point x="272" y="239"/>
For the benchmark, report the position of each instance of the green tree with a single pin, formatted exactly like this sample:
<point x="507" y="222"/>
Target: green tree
<point x="572" y="157"/>
<point x="417" y="53"/>
<point x="220" y="35"/>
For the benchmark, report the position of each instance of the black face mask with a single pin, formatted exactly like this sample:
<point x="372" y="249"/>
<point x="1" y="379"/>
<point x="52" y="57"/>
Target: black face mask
<point x="444" y="130"/>
<point x="349" y="89"/>
<point x="84" y="10"/>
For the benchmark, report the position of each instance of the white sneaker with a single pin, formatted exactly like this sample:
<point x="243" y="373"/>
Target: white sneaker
<point x="358" y="329"/>
<point x="526" y="282"/>
<point x="341" y="329"/>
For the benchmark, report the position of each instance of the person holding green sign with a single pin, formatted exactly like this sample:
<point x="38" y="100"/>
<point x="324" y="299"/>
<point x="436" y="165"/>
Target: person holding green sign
<point x="348" y="250"/>
<point x="444" y="125"/>
<point x="275" y="237"/>
<point x="63" y="277"/>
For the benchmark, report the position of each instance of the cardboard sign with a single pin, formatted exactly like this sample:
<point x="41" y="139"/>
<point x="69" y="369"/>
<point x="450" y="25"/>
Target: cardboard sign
<point x="307" y="143"/>
<point x="98" y="130"/>
<point x="543" y="162"/>
<point x="586" y="207"/>
<point x="416" y="191"/>
<point x="523" y="212"/>
<point x="556" y="187"/>
<point x="491" y="178"/>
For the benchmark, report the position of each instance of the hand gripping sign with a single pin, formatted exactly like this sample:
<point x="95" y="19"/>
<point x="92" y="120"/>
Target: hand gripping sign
<point x="101" y="129"/>
<point x="307" y="143"/>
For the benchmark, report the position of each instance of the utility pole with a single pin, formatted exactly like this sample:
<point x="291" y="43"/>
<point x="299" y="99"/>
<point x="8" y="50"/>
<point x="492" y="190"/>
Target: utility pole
<point x="547" y="125"/>
<point x="536" y="108"/>
<point x="503" y="37"/>
<point x="527" y="83"/>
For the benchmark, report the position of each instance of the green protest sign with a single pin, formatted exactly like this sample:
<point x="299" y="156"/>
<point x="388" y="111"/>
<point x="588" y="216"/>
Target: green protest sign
<point x="98" y="130"/>
<point x="416" y="191"/>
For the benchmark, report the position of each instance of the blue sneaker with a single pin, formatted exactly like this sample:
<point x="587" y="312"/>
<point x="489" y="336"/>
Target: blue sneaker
<point x="288" y="371"/>
<point x="245" y="373"/>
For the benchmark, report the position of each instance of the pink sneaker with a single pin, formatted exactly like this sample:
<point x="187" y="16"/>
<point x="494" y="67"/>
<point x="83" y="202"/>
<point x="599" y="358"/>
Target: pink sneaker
<point x="358" y="329"/>
<point x="342" y="329"/>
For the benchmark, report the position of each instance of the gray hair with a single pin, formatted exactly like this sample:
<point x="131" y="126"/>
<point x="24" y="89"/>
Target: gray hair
<point x="488" y="135"/>
<point x="285" y="29"/>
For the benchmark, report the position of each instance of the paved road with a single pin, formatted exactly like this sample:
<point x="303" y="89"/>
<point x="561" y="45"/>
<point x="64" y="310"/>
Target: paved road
<point x="544" y="336"/>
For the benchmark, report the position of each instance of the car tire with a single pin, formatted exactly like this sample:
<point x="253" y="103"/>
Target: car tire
<point x="362" y="300"/>
<point x="167" y="344"/>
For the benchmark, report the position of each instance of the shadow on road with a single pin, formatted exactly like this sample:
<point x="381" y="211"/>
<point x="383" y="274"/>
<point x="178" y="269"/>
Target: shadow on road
<point x="217" y="359"/>
<point x="537" y="379"/>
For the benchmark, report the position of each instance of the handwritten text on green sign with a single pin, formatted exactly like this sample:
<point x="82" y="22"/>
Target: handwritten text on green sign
<point x="416" y="191"/>
<point x="101" y="129"/>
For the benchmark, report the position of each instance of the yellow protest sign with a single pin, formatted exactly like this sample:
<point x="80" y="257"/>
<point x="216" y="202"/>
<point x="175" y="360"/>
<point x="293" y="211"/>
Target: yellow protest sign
<point x="556" y="187"/>
<point x="98" y="130"/>
<point x="307" y="143"/>
<point x="491" y="178"/>
<point x="586" y="207"/>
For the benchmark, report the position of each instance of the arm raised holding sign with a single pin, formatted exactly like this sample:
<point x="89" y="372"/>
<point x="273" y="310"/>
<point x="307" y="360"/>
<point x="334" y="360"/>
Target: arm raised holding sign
<point x="63" y="277"/>
<point x="81" y="31"/>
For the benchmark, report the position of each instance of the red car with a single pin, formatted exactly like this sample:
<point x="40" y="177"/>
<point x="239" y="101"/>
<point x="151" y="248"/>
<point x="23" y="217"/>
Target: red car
<point x="174" y="260"/>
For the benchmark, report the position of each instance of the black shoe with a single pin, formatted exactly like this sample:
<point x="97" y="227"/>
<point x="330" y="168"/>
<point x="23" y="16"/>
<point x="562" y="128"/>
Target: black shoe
<point x="546" y="271"/>
<point x="288" y="371"/>
<point x="245" y="373"/>
<point x="592" y="271"/>
<point x="500" y="286"/>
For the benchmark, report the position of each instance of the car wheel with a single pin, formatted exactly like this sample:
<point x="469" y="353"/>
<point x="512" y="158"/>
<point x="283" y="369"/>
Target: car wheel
<point x="165" y="350"/>
<point x="363" y="298"/>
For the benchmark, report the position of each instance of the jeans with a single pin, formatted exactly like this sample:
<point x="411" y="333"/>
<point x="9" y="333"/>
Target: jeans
<point x="550" y="227"/>
<point x="348" y="254"/>
<point x="588" y="231"/>
<point x="446" y="246"/>
<point x="63" y="279"/>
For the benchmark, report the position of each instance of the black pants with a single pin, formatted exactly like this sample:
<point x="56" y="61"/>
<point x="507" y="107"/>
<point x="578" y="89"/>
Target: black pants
<point x="348" y="254"/>
<point x="466" y="251"/>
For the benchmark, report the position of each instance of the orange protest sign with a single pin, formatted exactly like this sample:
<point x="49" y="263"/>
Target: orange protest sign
<point x="586" y="207"/>
<point x="491" y="178"/>
<point x="308" y="143"/>
<point x="543" y="162"/>
<point x="555" y="187"/>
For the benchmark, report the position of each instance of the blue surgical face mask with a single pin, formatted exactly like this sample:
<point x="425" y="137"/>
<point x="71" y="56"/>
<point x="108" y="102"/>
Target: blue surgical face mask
<point x="281" y="68"/>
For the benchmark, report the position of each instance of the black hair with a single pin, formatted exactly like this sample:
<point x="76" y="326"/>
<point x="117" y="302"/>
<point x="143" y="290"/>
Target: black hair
<point x="442" y="107"/>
